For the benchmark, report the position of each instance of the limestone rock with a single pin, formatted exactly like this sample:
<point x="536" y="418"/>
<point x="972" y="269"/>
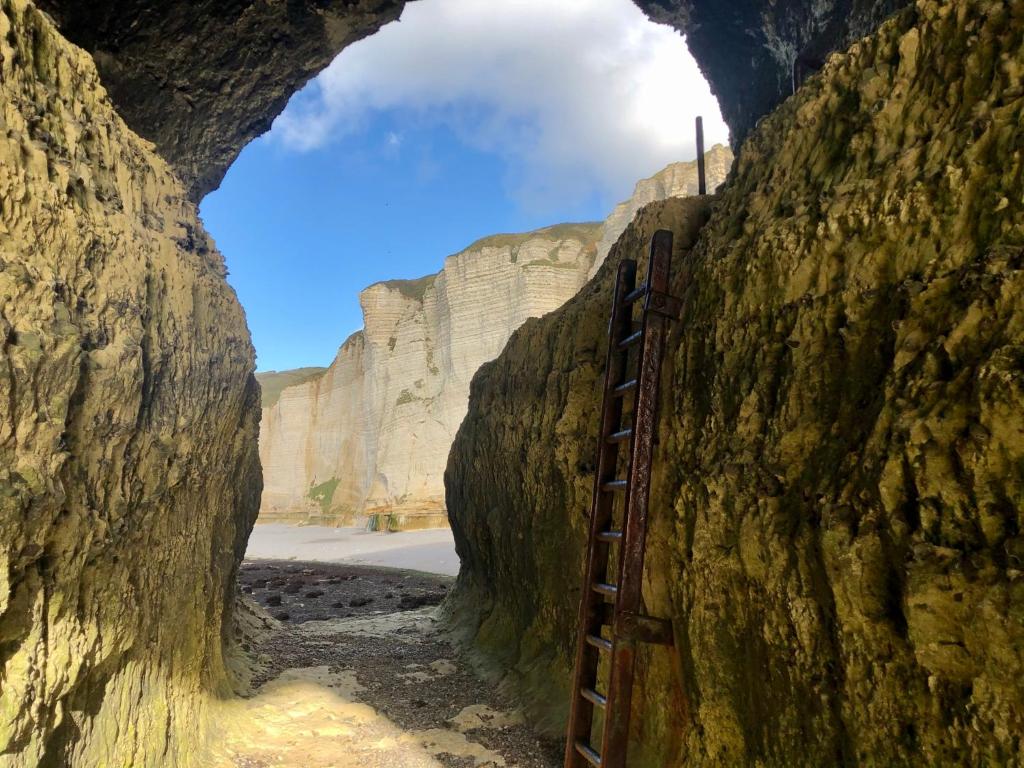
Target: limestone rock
<point x="373" y="432"/>
<point x="837" y="505"/>
<point x="272" y="383"/>
<point x="313" y="442"/>
<point x="128" y="415"/>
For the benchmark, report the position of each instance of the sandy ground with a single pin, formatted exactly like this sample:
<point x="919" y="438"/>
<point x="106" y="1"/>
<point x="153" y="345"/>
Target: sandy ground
<point x="373" y="686"/>
<point x="430" y="551"/>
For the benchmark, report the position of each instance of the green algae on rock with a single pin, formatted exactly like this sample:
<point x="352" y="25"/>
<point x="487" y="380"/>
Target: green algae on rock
<point x="836" y="517"/>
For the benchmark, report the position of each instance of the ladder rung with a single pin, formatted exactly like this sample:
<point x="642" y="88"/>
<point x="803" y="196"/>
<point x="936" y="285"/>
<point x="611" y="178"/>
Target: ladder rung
<point x="606" y="589"/>
<point x="600" y="643"/>
<point x="620" y="437"/>
<point x="610" y="537"/>
<point x="594" y="697"/>
<point x="592" y="757"/>
<point x="630" y="340"/>
<point x="614" y="485"/>
<point x="636" y="293"/>
<point x="624" y="389"/>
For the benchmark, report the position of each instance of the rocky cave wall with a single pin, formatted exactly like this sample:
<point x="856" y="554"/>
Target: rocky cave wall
<point x="753" y="52"/>
<point x="203" y="79"/>
<point x="836" y="515"/>
<point x="129" y="478"/>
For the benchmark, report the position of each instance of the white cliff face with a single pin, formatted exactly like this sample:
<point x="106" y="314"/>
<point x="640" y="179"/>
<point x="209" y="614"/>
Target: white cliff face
<point x="373" y="432"/>
<point x="314" y="433"/>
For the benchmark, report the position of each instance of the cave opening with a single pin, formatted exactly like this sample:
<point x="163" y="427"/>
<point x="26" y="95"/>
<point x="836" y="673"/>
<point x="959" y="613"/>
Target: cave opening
<point x="439" y="134"/>
<point x="520" y="138"/>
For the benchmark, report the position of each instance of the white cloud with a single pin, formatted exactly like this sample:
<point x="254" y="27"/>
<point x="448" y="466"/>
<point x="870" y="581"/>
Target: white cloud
<point x="573" y="94"/>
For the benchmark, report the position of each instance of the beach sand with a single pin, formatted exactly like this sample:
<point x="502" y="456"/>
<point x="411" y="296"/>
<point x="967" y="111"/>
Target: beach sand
<point x="431" y="551"/>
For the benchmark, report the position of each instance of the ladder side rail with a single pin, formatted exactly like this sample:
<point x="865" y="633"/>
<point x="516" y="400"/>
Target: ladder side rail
<point x="630" y="582"/>
<point x="591" y="614"/>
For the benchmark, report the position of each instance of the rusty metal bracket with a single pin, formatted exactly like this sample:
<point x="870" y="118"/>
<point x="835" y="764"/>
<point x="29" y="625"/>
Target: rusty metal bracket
<point x="644" y="629"/>
<point x="664" y="304"/>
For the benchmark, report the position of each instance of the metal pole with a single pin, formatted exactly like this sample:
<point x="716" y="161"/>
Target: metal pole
<point x="702" y="182"/>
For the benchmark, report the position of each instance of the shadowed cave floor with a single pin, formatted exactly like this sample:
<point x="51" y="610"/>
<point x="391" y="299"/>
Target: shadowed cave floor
<point x="356" y="671"/>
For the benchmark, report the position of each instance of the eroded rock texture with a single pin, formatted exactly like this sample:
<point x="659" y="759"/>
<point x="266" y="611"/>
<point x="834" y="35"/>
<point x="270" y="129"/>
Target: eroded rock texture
<point x="203" y="79"/>
<point x="128" y="469"/>
<point x="836" y="517"/>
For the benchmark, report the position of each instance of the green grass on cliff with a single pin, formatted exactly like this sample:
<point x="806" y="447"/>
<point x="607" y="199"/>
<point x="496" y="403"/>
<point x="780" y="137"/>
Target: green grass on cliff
<point x="273" y="382"/>
<point x="405" y="397"/>
<point x="413" y="289"/>
<point x="323" y="494"/>
<point x="584" y="231"/>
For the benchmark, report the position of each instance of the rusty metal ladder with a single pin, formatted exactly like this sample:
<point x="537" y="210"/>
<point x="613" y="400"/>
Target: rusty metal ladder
<point x="610" y="620"/>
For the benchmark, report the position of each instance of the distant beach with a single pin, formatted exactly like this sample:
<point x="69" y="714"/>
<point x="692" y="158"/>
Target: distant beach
<point x="431" y="551"/>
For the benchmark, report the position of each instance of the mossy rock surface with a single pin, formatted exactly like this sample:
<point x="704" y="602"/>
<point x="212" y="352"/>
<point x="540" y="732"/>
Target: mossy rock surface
<point x="837" y="507"/>
<point x="129" y="478"/>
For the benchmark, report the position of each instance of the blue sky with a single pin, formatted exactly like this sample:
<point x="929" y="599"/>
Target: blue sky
<point x="467" y="118"/>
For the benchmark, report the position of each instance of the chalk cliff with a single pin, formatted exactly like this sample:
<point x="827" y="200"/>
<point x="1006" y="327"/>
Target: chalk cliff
<point x="675" y="180"/>
<point x="838" y="498"/>
<point x="372" y="433"/>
